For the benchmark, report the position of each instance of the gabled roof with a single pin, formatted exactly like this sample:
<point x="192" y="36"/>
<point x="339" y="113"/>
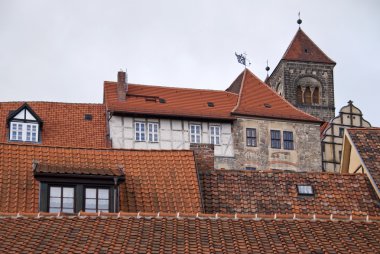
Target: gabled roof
<point x="155" y="181"/>
<point x="156" y="233"/>
<point x="64" y="123"/>
<point x="179" y="102"/>
<point x="367" y="143"/>
<point x="258" y="99"/>
<point x="303" y="49"/>
<point x="25" y="106"/>
<point x="248" y="192"/>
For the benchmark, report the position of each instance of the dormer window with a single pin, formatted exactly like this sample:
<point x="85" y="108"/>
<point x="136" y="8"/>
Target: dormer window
<point x="24" y="125"/>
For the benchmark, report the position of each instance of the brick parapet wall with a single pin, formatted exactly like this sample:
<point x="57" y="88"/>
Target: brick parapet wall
<point x="203" y="155"/>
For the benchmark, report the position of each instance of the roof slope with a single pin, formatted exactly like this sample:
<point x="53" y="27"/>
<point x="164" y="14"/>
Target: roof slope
<point x="367" y="143"/>
<point x="155" y="181"/>
<point x="64" y="123"/>
<point x="129" y="234"/>
<point x="233" y="191"/>
<point x="302" y="48"/>
<point x="180" y="102"/>
<point x="258" y="99"/>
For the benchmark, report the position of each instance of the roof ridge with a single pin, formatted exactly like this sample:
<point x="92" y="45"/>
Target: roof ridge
<point x="181" y="88"/>
<point x="54" y="102"/>
<point x="178" y="215"/>
<point x="240" y="91"/>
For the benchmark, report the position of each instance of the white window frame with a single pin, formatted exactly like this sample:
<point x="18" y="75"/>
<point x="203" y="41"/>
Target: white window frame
<point x="22" y="133"/>
<point x="215" y="135"/>
<point x="195" y="131"/>
<point x="140" y="135"/>
<point x="153" y="130"/>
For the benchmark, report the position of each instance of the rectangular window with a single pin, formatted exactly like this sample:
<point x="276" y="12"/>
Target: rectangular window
<point x="305" y="190"/>
<point x="61" y="199"/>
<point x="153" y="132"/>
<point x="215" y="135"/>
<point x="97" y="199"/>
<point x="288" y="140"/>
<point x="275" y="139"/>
<point x="24" y="132"/>
<point x="139" y="131"/>
<point x="195" y="133"/>
<point x="251" y="137"/>
<point x="341" y="132"/>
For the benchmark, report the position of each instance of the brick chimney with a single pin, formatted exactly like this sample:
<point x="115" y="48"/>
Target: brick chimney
<point x="122" y="84"/>
<point x="203" y="156"/>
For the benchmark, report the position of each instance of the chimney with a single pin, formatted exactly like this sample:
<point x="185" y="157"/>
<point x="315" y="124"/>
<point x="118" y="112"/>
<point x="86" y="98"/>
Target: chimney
<point x="122" y="84"/>
<point x="203" y="156"/>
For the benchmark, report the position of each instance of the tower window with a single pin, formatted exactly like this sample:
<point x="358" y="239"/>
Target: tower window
<point x="299" y="95"/>
<point x="316" y="95"/>
<point x="307" y="96"/>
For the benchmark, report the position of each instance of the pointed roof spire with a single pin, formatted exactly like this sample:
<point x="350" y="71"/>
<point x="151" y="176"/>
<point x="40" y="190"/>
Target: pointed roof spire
<point x="303" y="49"/>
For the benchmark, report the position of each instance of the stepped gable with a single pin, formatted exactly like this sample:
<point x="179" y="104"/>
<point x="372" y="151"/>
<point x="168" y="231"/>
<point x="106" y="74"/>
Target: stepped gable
<point x="258" y="99"/>
<point x="64" y="124"/>
<point x="170" y="101"/>
<point x="367" y="143"/>
<point x="303" y="49"/>
<point x="241" y="191"/>
<point x="155" y="233"/>
<point x="155" y="181"/>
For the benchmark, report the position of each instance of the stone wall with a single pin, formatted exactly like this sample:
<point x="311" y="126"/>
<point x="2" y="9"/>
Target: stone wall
<point x="306" y="155"/>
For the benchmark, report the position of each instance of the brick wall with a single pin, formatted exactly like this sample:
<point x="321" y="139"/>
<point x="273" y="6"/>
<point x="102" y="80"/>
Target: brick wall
<point x="203" y="155"/>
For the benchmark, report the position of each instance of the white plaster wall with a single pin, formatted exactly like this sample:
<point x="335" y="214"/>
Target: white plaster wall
<point x="173" y="134"/>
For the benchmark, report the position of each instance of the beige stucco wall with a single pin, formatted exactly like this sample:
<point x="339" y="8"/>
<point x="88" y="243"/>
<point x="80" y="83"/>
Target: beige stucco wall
<point x="173" y="134"/>
<point x="354" y="161"/>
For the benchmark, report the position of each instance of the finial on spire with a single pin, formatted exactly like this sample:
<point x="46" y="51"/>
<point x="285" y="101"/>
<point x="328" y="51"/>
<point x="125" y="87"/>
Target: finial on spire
<point x="267" y="68"/>
<point x="299" y="21"/>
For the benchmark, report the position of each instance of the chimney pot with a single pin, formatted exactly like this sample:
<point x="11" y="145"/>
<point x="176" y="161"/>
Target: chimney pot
<point x="122" y="84"/>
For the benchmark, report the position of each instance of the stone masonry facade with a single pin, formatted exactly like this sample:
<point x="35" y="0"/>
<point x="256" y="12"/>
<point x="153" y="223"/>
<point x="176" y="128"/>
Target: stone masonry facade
<point x="289" y="75"/>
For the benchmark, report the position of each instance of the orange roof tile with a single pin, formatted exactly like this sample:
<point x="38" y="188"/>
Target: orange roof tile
<point x="258" y="99"/>
<point x="63" y="123"/>
<point x="155" y="181"/>
<point x="168" y="234"/>
<point x="180" y="102"/>
<point x="302" y="48"/>
<point x="241" y="191"/>
<point x="367" y="142"/>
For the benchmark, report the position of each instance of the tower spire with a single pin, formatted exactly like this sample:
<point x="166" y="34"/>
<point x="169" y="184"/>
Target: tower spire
<point x="299" y="21"/>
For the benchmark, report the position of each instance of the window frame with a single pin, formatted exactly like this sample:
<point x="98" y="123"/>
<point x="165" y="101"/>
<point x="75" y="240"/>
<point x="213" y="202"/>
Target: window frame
<point x="275" y="139"/>
<point x="214" y="137"/>
<point x="300" y="193"/>
<point x="96" y="198"/>
<point x="195" y="135"/>
<point x="251" y="140"/>
<point x="152" y="132"/>
<point x="139" y="132"/>
<point x="62" y="186"/>
<point x="24" y="131"/>
<point x="288" y="143"/>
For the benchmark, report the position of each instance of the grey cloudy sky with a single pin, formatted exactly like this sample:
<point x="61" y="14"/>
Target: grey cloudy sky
<point x="64" y="50"/>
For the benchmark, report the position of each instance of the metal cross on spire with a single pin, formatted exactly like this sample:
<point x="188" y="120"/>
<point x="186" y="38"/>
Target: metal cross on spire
<point x="242" y="58"/>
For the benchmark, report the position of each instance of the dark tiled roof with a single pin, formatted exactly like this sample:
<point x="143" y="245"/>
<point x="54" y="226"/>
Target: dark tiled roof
<point x="180" y="102"/>
<point x="233" y="191"/>
<point x="67" y="170"/>
<point x="149" y="234"/>
<point x="302" y="48"/>
<point x="258" y="99"/>
<point x="155" y="181"/>
<point x="63" y="123"/>
<point x="367" y="142"/>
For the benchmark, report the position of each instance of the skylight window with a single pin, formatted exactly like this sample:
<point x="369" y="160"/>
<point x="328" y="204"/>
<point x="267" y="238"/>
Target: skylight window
<point x="305" y="190"/>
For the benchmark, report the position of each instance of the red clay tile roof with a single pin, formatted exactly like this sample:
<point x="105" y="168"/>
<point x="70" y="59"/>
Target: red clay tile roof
<point x="63" y="123"/>
<point x="234" y="191"/>
<point x="148" y="234"/>
<point x="180" y="102"/>
<point x="302" y="48"/>
<point x="40" y="168"/>
<point x="258" y="99"/>
<point x="367" y="142"/>
<point x="155" y="181"/>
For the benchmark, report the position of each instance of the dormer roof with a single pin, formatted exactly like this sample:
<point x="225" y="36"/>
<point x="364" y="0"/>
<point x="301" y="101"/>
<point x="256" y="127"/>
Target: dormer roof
<point x="24" y="113"/>
<point x="303" y="49"/>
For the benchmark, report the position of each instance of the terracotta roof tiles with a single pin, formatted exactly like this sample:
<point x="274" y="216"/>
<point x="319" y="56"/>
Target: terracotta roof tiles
<point x="155" y="181"/>
<point x="168" y="234"/>
<point x="240" y="191"/>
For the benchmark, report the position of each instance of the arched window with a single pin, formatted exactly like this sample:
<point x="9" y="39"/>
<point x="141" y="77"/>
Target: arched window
<point x="299" y="95"/>
<point x="316" y="96"/>
<point x="307" y="96"/>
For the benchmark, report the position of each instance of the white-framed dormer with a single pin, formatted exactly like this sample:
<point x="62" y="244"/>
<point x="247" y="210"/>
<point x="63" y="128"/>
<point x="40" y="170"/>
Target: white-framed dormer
<point x="24" y="125"/>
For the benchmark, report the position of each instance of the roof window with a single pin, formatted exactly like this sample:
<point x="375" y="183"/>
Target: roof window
<point x="88" y="117"/>
<point x="267" y="105"/>
<point x="210" y="104"/>
<point x="162" y="100"/>
<point x="305" y="189"/>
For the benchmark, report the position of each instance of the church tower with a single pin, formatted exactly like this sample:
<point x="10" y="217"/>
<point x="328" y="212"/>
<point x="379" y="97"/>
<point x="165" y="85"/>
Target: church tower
<point x="304" y="77"/>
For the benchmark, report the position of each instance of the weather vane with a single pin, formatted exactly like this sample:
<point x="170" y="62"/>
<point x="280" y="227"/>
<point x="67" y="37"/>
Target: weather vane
<point x="242" y="58"/>
<point x="299" y="21"/>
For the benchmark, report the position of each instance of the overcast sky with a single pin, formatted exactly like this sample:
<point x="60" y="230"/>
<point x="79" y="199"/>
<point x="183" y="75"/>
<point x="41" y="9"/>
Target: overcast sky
<point x="64" y="50"/>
